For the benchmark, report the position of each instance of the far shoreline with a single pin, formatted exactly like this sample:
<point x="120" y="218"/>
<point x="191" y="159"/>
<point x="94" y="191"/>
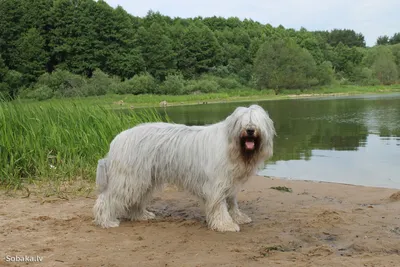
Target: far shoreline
<point x="129" y="101"/>
<point x="283" y="97"/>
<point x="259" y="98"/>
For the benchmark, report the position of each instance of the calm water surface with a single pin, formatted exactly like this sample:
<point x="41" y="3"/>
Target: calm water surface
<point x="353" y="140"/>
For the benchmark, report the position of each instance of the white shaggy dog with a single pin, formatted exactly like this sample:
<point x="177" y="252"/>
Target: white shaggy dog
<point x="211" y="162"/>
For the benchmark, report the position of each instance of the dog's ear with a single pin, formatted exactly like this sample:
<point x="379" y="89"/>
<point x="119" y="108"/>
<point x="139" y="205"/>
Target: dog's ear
<point x="231" y="123"/>
<point x="266" y="118"/>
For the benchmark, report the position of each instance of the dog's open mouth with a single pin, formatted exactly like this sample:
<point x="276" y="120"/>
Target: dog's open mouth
<point x="249" y="143"/>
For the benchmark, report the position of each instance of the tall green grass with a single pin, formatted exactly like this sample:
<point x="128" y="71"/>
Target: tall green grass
<point x="58" y="140"/>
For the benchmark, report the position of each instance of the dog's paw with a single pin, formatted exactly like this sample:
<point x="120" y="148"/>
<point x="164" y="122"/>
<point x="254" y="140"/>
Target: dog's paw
<point x="109" y="224"/>
<point x="241" y="218"/>
<point x="148" y="215"/>
<point x="144" y="216"/>
<point x="225" y="227"/>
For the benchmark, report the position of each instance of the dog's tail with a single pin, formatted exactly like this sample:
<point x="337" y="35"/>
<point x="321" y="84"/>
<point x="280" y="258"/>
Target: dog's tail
<point x="101" y="175"/>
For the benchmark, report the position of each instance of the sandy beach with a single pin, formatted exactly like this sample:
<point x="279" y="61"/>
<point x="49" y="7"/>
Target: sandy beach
<point x="316" y="224"/>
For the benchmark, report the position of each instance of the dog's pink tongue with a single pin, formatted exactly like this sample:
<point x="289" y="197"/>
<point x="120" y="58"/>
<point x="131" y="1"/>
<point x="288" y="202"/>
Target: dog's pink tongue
<point x="249" y="145"/>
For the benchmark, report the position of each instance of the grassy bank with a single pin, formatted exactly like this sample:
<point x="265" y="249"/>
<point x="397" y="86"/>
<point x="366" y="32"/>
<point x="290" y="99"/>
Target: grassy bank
<point x="136" y="101"/>
<point x="57" y="141"/>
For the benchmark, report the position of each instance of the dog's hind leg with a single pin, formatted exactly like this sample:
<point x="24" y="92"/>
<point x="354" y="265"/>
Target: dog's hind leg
<point x="106" y="210"/>
<point x="233" y="208"/>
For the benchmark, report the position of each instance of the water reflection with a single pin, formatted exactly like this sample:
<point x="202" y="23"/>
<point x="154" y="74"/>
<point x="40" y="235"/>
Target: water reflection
<point x="374" y="164"/>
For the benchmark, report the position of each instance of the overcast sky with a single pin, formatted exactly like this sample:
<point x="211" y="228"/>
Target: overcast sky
<point x="370" y="17"/>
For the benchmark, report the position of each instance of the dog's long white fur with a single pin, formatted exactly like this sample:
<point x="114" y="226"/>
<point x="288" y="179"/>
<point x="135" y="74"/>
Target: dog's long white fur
<point x="204" y="160"/>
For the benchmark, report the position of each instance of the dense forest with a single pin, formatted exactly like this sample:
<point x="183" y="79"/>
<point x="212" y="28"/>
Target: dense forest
<point x="66" y="48"/>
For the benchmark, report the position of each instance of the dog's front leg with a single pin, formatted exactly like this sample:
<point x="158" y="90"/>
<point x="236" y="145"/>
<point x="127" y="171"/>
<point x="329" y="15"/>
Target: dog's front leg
<point x="233" y="208"/>
<point x="218" y="217"/>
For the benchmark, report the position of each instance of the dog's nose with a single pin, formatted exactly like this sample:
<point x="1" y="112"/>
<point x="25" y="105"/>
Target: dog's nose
<point x="250" y="132"/>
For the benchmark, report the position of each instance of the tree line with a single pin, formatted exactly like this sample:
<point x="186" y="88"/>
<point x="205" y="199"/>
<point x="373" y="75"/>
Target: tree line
<point x="65" y="48"/>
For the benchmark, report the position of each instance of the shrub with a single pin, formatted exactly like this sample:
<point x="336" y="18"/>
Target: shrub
<point x="223" y="83"/>
<point x="228" y="83"/>
<point x="99" y="84"/>
<point x="42" y="92"/>
<point x="174" y="84"/>
<point x="366" y="77"/>
<point x="204" y="86"/>
<point x="140" y="84"/>
<point x="325" y="73"/>
<point x="281" y="63"/>
<point x="63" y="83"/>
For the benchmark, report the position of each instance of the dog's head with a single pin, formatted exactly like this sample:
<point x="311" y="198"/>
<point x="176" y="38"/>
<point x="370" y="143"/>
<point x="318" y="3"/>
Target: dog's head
<point x="251" y="130"/>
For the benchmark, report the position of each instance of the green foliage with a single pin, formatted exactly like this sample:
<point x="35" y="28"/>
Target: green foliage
<point x="6" y="89"/>
<point x="85" y="37"/>
<point x="396" y="53"/>
<point x="384" y="67"/>
<point x="30" y="56"/>
<point x="174" y="84"/>
<point x="224" y="82"/>
<point x="325" y="73"/>
<point x="347" y="37"/>
<point x="382" y="40"/>
<point x="281" y="63"/>
<point x="10" y="81"/>
<point x="11" y="28"/>
<point x="62" y="83"/>
<point x="311" y="42"/>
<point x="58" y="139"/>
<point x="125" y="64"/>
<point x="198" y="50"/>
<point x="345" y="60"/>
<point x="367" y="77"/>
<point x="99" y="84"/>
<point x="395" y="39"/>
<point x="41" y="92"/>
<point x="202" y="86"/>
<point x="14" y="81"/>
<point x="157" y="51"/>
<point x="382" y="63"/>
<point x="220" y="71"/>
<point x="3" y="68"/>
<point x="237" y="50"/>
<point x="140" y="84"/>
<point x="73" y="35"/>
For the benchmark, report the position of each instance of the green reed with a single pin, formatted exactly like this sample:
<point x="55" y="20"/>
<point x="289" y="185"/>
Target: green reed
<point x="61" y="140"/>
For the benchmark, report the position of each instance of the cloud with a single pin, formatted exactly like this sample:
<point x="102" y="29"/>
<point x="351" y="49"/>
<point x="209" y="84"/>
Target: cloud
<point x="370" y="17"/>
